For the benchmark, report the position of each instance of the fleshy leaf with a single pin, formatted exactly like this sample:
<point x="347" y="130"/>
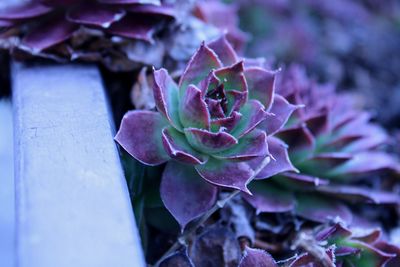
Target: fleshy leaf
<point x="280" y="111"/>
<point x="301" y="180"/>
<point x="368" y="256"/>
<point x="250" y="146"/>
<point x="227" y="123"/>
<point x="358" y="193"/>
<point x="267" y="197"/>
<point x="134" y="26"/>
<point x="178" y="148"/>
<point x="215" y="109"/>
<point x="226" y="173"/>
<point x="224" y="50"/>
<point x="200" y="65"/>
<point x="140" y="136"/>
<point x="320" y="209"/>
<point x="94" y="15"/>
<point x="333" y="233"/>
<point x="232" y="77"/>
<point x="166" y="96"/>
<point x="193" y="110"/>
<point x="280" y="159"/>
<point x="24" y="11"/>
<point x="185" y="194"/>
<point x="49" y="34"/>
<point x="209" y="142"/>
<point x="178" y="259"/>
<point x="257" y="257"/>
<point x="253" y="113"/>
<point x="366" y="162"/>
<point x="261" y="85"/>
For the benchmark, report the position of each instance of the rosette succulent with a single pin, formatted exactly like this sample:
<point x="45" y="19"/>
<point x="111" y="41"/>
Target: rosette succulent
<point x="337" y="151"/>
<point x="98" y="30"/>
<point x="206" y="128"/>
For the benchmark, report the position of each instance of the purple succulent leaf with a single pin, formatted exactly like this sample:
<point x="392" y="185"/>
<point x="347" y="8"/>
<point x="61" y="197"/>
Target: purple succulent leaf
<point x="232" y="77"/>
<point x="224" y="50"/>
<point x="227" y="123"/>
<point x="140" y="136"/>
<point x="209" y="142"/>
<point x="6" y="23"/>
<point x="193" y="111"/>
<point x="331" y="159"/>
<point x="308" y="260"/>
<point x="95" y="15"/>
<point x="375" y="136"/>
<point x="199" y="67"/>
<point x="152" y="2"/>
<point x="365" y="162"/>
<point x="280" y="111"/>
<point x="357" y="193"/>
<point x="267" y="197"/>
<point x="336" y="231"/>
<point x="298" y="138"/>
<point x="235" y="99"/>
<point x="134" y="26"/>
<point x="178" y="259"/>
<point x="374" y="256"/>
<point x="319" y="209"/>
<point x="214" y="108"/>
<point x="48" y="34"/>
<point x="250" y="146"/>
<point x="369" y="236"/>
<point x="303" y="180"/>
<point x="389" y="249"/>
<point x="280" y="159"/>
<point x="209" y="83"/>
<point x="261" y="85"/>
<point x="166" y="96"/>
<point x="177" y="147"/>
<point x="318" y="124"/>
<point x="257" y="257"/>
<point x="151" y="9"/>
<point x="253" y="114"/>
<point x="226" y="173"/>
<point x="25" y="11"/>
<point x="184" y="193"/>
<point x="344" y="251"/>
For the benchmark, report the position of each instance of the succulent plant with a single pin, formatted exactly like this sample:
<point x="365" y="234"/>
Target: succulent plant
<point x="335" y="148"/>
<point x="336" y="246"/>
<point x="98" y="30"/>
<point x="206" y="129"/>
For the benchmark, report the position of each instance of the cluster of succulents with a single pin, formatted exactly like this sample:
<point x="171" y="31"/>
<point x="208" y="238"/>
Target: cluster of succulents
<point x="254" y="164"/>
<point x="352" y="43"/>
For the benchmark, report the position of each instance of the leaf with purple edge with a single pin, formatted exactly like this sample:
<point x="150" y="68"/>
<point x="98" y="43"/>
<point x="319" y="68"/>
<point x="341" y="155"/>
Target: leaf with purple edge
<point x="267" y="197"/>
<point x="232" y="77"/>
<point x="185" y="194"/>
<point x="224" y="50"/>
<point x="280" y="161"/>
<point x="227" y="123"/>
<point x="319" y="209"/>
<point x="368" y="255"/>
<point x="281" y="110"/>
<point x="166" y="96"/>
<point x="261" y="85"/>
<point x="193" y="111"/>
<point x="253" y="114"/>
<point x="250" y="146"/>
<point x="257" y="257"/>
<point x="178" y="148"/>
<point x="209" y="142"/>
<point x="200" y="65"/>
<point x="134" y="26"/>
<point x="140" y="136"/>
<point x="94" y="15"/>
<point x="24" y="11"/>
<point x="48" y="34"/>
<point x="226" y="173"/>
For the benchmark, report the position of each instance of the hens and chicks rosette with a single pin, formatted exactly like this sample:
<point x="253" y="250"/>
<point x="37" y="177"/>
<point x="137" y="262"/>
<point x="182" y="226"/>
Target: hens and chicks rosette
<point x="98" y="30"/>
<point x="209" y="129"/>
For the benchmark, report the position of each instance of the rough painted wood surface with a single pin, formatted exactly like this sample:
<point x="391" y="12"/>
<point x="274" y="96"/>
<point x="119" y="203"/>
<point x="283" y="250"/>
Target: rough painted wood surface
<point x="73" y="206"/>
